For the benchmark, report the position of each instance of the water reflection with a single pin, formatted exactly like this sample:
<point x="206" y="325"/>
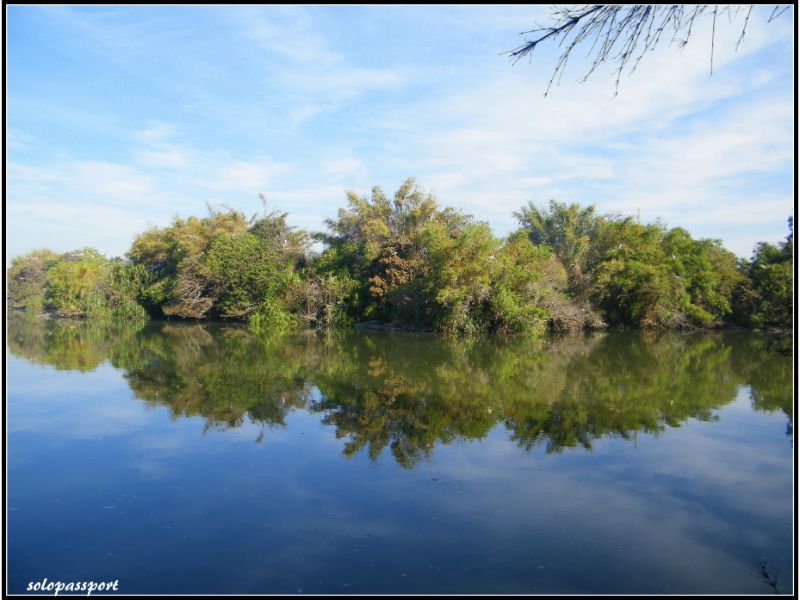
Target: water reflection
<point x="411" y="392"/>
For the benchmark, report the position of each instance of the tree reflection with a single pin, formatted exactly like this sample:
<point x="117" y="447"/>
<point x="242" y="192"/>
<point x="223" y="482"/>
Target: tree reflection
<point x="410" y="392"/>
<point x="67" y="344"/>
<point x="220" y="373"/>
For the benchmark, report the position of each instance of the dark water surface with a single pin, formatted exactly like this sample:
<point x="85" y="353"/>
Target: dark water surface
<point x="199" y="458"/>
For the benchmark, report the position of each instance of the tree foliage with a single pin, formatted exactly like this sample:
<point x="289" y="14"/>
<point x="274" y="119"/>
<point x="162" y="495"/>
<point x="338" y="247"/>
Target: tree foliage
<point x="763" y="297"/>
<point x="27" y="278"/>
<point x="221" y="266"/>
<point x="407" y="262"/>
<point x="636" y="274"/>
<point x="77" y="284"/>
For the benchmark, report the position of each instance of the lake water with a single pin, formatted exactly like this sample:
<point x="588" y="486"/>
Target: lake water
<point x="184" y="458"/>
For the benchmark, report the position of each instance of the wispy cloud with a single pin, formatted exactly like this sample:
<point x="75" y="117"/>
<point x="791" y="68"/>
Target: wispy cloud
<point x="302" y="103"/>
<point x="674" y="143"/>
<point x="287" y="31"/>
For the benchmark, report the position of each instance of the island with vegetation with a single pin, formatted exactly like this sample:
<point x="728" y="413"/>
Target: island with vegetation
<point x="407" y="263"/>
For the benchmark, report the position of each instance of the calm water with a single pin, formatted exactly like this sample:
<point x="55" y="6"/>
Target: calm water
<point x="199" y="458"/>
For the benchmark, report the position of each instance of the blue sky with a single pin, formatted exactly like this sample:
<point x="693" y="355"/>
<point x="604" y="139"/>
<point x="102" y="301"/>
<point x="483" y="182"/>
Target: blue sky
<point x="120" y="118"/>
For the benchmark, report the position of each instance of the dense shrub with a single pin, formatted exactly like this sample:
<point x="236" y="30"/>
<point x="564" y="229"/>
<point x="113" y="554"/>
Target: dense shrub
<point x="405" y="260"/>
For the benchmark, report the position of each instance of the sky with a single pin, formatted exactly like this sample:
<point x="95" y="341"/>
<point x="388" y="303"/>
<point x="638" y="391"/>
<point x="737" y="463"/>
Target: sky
<point x="120" y="118"/>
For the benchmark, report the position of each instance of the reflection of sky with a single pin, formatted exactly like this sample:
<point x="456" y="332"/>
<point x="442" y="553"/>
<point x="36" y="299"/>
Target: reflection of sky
<point x="76" y="406"/>
<point x="103" y="487"/>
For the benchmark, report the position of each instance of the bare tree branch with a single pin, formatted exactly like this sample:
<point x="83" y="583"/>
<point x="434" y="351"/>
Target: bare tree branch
<point x="746" y="20"/>
<point x="623" y="34"/>
<point x="713" y="33"/>
<point x="777" y="12"/>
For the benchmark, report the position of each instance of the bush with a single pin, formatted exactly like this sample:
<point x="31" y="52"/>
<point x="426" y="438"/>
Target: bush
<point x="27" y="280"/>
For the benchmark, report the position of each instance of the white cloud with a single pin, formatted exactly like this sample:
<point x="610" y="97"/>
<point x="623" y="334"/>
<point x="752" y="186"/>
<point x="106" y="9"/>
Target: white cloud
<point x="86" y="220"/>
<point x="168" y="158"/>
<point x="287" y="32"/>
<point x="314" y="77"/>
<point x="342" y="167"/>
<point x="248" y="177"/>
<point x="106" y="182"/>
<point x="19" y="140"/>
<point x="156" y="132"/>
<point x="674" y="143"/>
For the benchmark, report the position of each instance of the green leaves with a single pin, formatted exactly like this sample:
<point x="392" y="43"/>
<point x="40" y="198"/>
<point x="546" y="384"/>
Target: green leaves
<point x="765" y="298"/>
<point x="406" y="261"/>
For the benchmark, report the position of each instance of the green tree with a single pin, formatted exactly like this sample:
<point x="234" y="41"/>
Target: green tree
<point x="765" y="298"/>
<point x="460" y="276"/>
<point x="74" y="284"/>
<point x="181" y="284"/>
<point x="243" y="268"/>
<point x="380" y="244"/>
<point x="224" y="265"/>
<point x="27" y="280"/>
<point x="570" y="232"/>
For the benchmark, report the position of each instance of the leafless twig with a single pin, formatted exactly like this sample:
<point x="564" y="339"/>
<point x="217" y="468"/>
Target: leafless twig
<point x="623" y="34"/>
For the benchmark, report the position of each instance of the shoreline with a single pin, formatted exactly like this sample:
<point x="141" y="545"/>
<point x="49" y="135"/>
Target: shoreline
<point x="390" y="327"/>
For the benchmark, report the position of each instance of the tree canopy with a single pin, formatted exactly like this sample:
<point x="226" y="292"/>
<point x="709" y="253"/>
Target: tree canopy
<point x="407" y="262"/>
